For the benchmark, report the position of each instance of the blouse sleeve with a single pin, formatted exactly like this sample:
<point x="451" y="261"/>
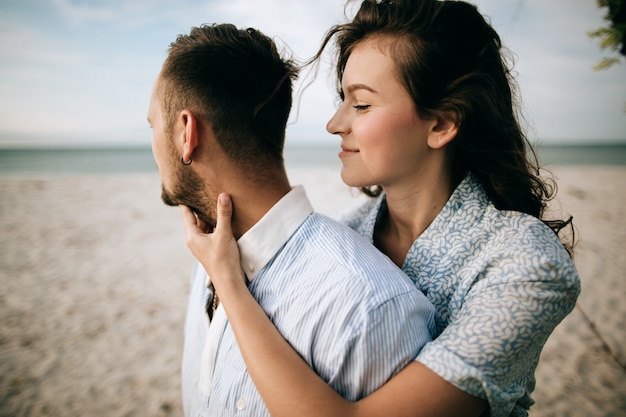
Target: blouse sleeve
<point x="513" y="301"/>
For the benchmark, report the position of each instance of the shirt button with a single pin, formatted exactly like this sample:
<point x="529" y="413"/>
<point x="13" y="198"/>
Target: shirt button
<point x="241" y="404"/>
<point x="251" y="268"/>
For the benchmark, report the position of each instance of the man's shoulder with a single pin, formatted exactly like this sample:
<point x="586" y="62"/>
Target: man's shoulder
<point x="352" y="259"/>
<point x="325" y="231"/>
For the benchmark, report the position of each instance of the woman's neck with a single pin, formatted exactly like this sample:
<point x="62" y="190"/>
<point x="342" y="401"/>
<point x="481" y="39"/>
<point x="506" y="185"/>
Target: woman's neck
<point x="410" y="210"/>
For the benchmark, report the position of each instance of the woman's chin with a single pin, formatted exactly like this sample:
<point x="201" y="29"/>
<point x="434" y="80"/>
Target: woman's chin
<point x="352" y="180"/>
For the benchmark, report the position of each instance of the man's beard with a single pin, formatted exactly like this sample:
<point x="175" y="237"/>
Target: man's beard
<point x="189" y="190"/>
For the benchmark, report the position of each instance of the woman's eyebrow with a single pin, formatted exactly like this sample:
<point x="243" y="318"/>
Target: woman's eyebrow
<point x="353" y="87"/>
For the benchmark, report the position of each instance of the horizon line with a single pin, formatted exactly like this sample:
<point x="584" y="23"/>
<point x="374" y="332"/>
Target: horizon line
<point x="303" y="144"/>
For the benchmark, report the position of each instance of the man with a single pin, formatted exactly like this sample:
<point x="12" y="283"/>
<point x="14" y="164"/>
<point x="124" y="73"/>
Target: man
<point x="218" y="112"/>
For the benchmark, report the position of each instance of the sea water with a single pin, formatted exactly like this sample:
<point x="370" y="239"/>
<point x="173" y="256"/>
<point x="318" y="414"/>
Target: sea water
<point x="52" y="161"/>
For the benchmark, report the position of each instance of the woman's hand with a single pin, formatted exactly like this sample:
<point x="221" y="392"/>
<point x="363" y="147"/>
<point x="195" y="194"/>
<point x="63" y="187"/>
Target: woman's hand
<point x="216" y="250"/>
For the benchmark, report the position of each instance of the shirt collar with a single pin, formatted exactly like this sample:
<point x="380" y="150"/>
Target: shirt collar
<point x="261" y="243"/>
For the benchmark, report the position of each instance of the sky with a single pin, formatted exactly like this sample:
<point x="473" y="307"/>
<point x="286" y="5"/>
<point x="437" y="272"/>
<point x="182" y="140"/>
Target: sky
<point x="80" y="72"/>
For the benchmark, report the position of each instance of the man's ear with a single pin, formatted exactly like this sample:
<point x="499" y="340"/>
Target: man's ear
<point x="189" y="134"/>
<point x="442" y="133"/>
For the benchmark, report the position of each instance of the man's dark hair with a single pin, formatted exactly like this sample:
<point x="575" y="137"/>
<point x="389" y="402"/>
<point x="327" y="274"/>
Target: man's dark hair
<point x="234" y="80"/>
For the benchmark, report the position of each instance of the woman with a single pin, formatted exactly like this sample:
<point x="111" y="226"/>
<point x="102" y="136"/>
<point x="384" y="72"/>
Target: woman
<point x="428" y="118"/>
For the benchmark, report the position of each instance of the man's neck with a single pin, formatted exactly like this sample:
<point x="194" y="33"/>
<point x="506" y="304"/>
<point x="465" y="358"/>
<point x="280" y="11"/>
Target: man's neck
<point x="252" y="201"/>
<point x="253" y="193"/>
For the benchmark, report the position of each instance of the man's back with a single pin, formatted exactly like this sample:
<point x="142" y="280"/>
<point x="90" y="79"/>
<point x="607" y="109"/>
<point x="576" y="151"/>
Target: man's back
<point x="345" y="307"/>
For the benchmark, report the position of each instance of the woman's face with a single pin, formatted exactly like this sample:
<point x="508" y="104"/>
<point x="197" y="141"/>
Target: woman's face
<point x="383" y="140"/>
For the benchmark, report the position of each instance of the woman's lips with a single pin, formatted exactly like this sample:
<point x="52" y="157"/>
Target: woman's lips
<point x="344" y="152"/>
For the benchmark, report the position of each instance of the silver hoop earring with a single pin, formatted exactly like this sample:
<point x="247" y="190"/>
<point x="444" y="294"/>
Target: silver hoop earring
<point x="185" y="163"/>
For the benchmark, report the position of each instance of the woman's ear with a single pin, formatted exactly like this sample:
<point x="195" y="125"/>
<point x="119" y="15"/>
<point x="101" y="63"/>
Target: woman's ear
<point x="442" y="133"/>
<point x="189" y="134"/>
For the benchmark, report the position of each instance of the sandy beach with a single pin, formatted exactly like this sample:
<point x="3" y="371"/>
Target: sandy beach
<point x="94" y="275"/>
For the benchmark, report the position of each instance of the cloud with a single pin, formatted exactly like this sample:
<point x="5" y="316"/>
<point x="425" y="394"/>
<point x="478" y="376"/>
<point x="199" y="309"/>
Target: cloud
<point x="84" y="69"/>
<point x="82" y="12"/>
<point x="87" y="71"/>
<point x="28" y="48"/>
<point x="35" y="76"/>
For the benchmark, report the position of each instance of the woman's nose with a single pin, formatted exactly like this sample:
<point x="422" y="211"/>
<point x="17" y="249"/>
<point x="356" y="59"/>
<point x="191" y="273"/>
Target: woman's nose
<point x="336" y="124"/>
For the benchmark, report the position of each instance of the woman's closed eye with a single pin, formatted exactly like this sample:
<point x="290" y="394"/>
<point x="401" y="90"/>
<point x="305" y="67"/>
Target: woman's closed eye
<point x="360" y="107"/>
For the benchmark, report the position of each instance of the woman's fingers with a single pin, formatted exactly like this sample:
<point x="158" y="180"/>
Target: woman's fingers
<point x="224" y="214"/>
<point x="189" y="220"/>
<point x="217" y="251"/>
<point x="196" y="232"/>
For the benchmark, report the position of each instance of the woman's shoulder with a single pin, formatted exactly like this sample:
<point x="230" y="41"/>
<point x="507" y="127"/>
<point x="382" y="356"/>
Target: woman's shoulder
<point x="478" y="240"/>
<point x="514" y="231"/>
<point x="507" y="230"/>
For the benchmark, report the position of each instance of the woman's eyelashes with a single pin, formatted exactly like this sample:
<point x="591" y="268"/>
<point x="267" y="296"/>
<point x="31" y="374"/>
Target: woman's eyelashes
<point x="341" y="98"/>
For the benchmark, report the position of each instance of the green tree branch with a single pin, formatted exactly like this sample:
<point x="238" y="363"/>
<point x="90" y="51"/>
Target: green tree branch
<point x="612" y="37"/>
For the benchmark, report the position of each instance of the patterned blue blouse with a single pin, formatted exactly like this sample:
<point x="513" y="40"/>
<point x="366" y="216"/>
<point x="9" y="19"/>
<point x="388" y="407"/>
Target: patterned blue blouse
<point x="500" y="280"/>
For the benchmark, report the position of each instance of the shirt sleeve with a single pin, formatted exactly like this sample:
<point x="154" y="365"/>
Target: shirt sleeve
<point x="383" y="343"/>
<point x="492" y="344"/>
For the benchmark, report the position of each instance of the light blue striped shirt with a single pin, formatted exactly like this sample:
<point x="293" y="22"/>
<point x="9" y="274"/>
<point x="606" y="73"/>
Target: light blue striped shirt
<point x="346" y="308"/>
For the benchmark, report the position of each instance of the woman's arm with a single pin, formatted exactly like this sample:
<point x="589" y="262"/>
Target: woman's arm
<point x="286" y="383"/>
<point x="290" y="388"/>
